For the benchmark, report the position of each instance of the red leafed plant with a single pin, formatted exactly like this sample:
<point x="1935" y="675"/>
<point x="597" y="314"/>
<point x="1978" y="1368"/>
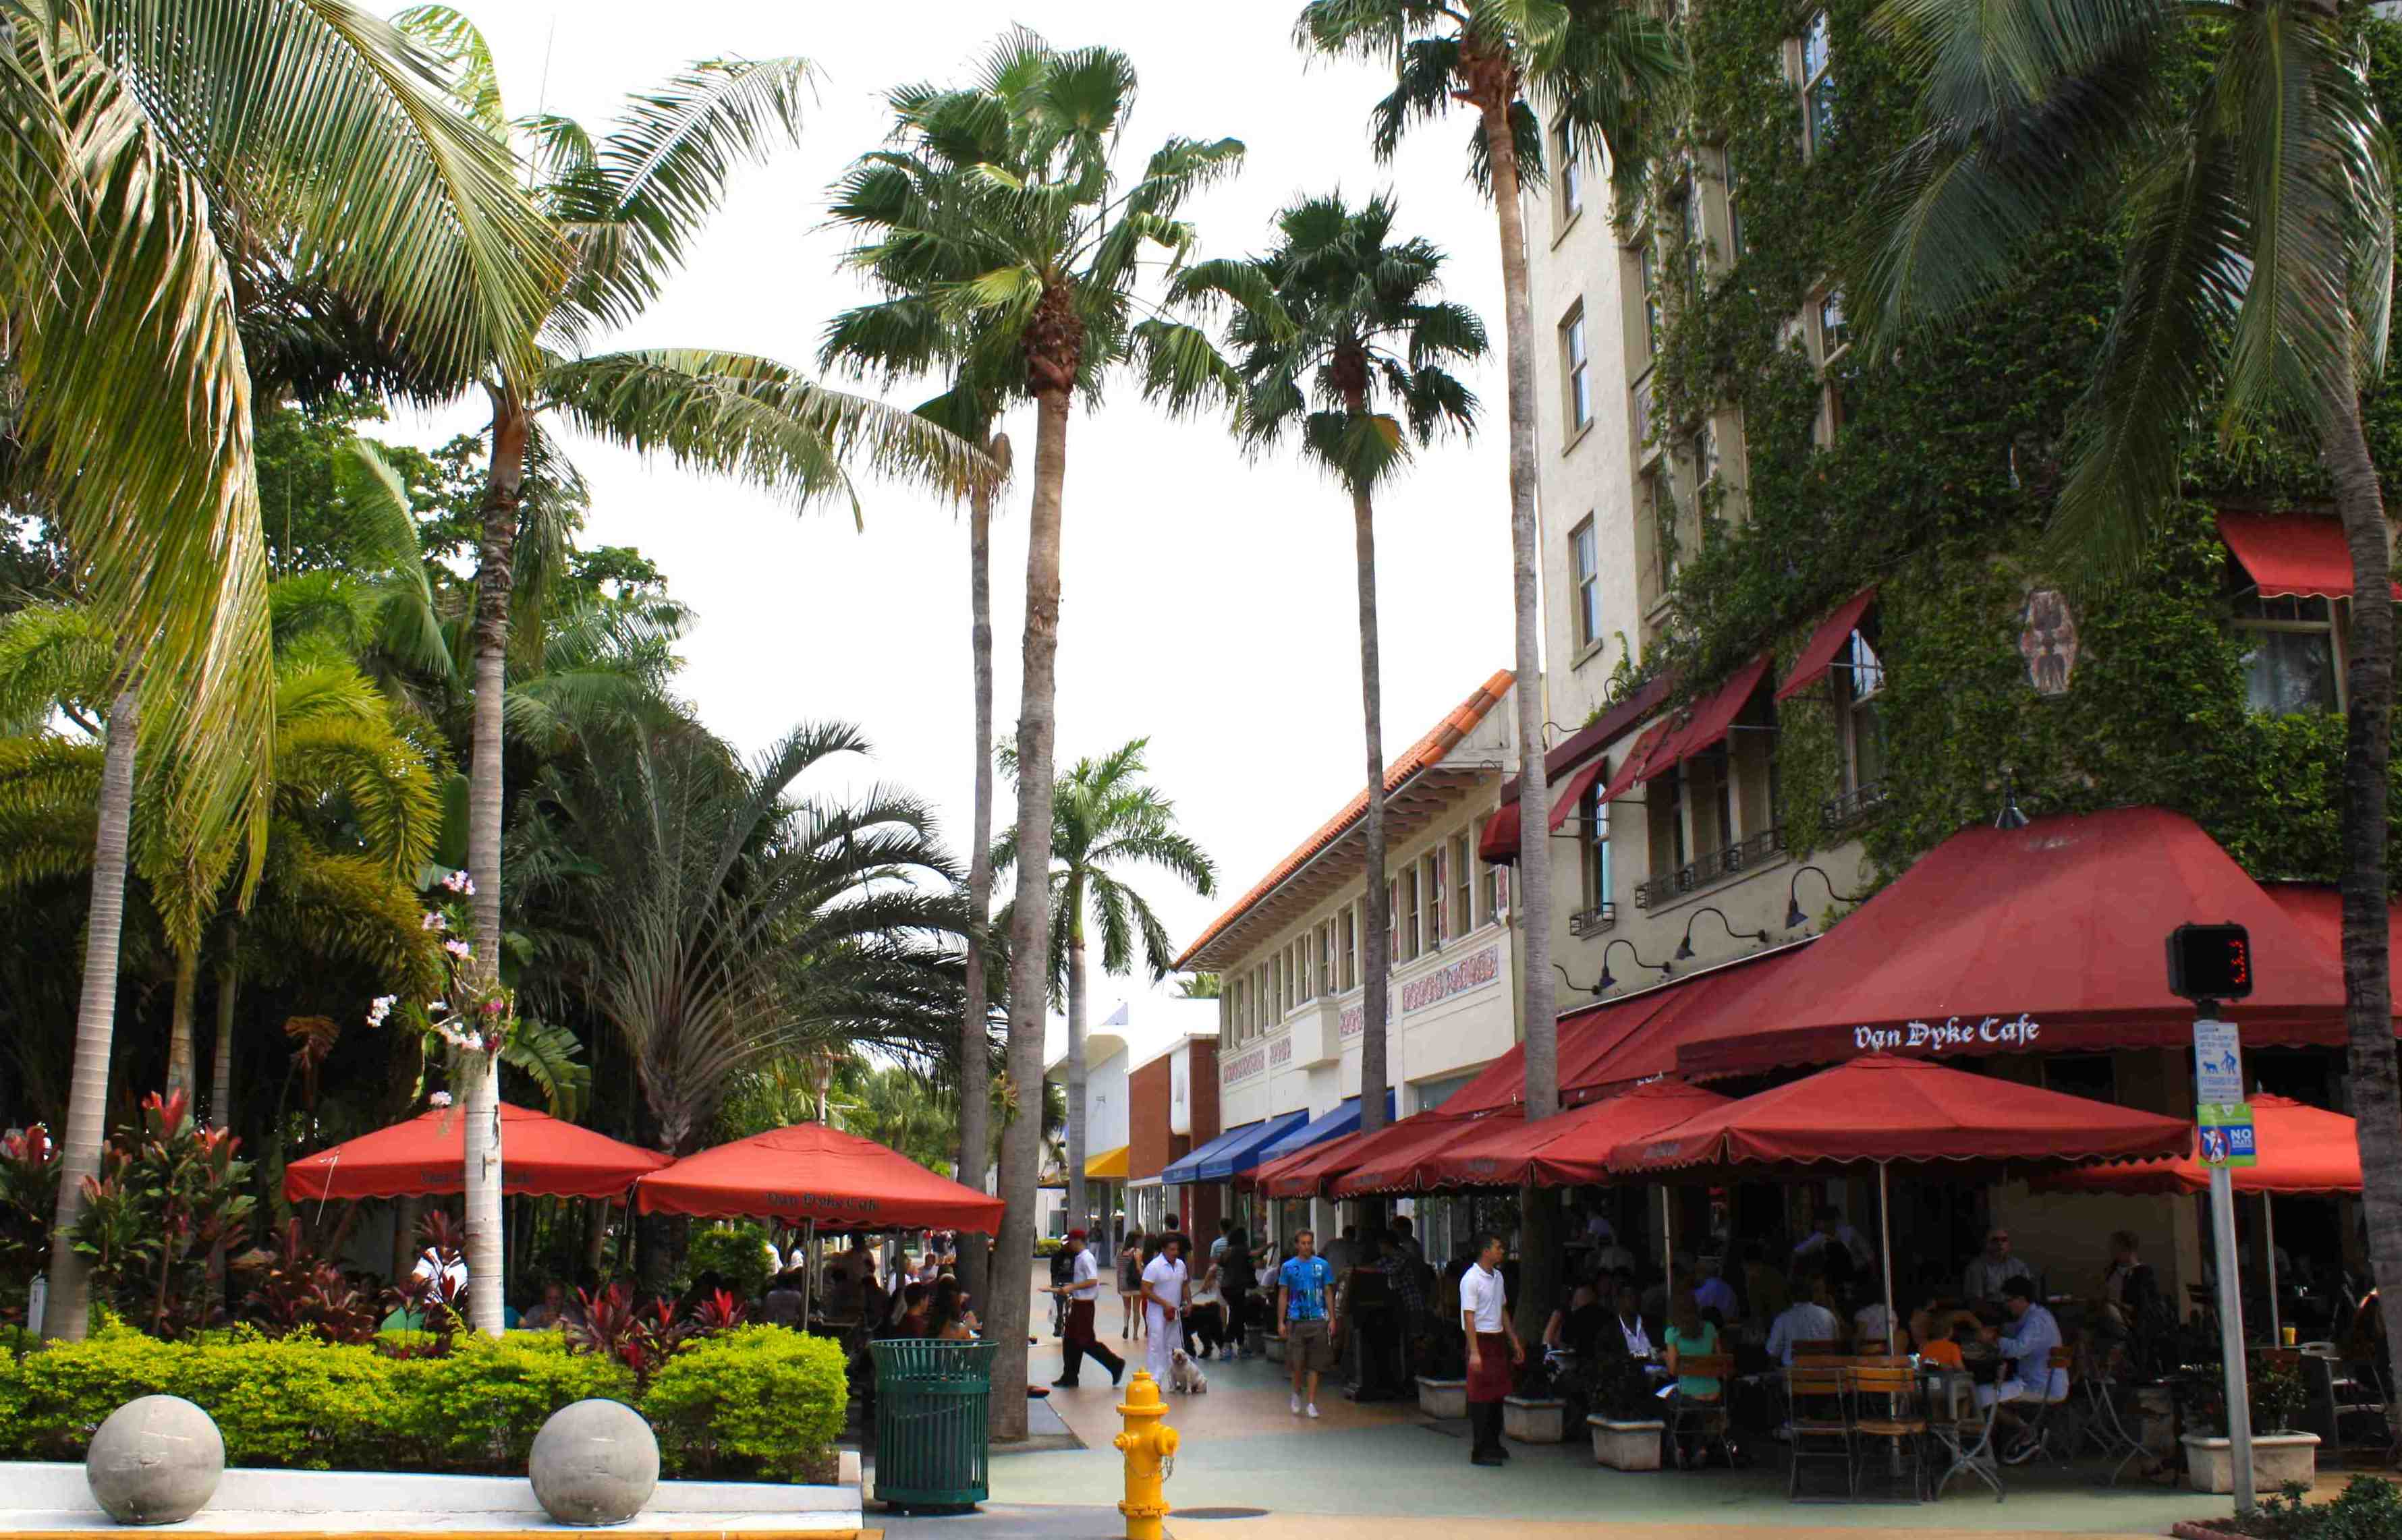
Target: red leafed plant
<point x="722" y="1310"/>
<point x="170" y="1192"/>
<point x="28" y="1197"/>
<point x="640" y="1338"/>
<point x="437" y="1294"/>
<point x="296" y="1292"/>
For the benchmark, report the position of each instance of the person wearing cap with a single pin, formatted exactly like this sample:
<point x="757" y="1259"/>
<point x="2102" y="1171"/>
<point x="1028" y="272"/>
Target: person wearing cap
<point x="2026" y="1348"/>
<point x="1080" y="1341"/>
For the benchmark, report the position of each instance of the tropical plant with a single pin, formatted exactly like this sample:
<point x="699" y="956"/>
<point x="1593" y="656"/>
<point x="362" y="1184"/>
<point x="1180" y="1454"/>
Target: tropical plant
<point x="148" y="141"/>
<point x="1001" y="201"/>
<point x="29" y="1195"/>
<point x="1343" y="342"/>
<point x="169" y="1193"/>
<point x="295" y="1291"/>
<point x="1105" y="819"/>
<point x="2256" y="290"/>
<point x="627" y="203"/>
<point x="1598" y="69"/>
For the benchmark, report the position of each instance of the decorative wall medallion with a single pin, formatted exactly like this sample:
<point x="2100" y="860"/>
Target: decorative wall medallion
<point x="2048" y="641"/>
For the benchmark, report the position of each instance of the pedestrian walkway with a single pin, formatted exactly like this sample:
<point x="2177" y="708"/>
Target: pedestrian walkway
<point x="1386" y="1472"/>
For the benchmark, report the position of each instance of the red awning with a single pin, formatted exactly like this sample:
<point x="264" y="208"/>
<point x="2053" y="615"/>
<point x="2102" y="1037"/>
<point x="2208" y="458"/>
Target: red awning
<point x="1575" y="1146"/>
<point x="1904" y="1109"/>
<point x="427" y="1155"/>
<point x="1709" y="721"/>
<point x="1498" y="845"/>
<point x="2303" y="1150"/>
<point x="2292" y="555"/>
<point x="1632" y="768"/>
<point x="2044" y="939"/>
<point x="1810" y="663"/>
<point x="1300" y="1173"/>
<point x="1636" y="1039"/>
<point x="1389" y="1166"/>
<point x="811" y="1171"/>
<point x="1571" y="792"/>
<point x="2318" y="909"/>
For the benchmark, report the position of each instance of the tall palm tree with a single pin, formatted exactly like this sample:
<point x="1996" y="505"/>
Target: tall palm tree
<point x="1341" y="341"/>
<point x="2256" y="288"/>
<point x="1105" y="818"/>
<point x="627" y="203"/>
<point x="142" y="132"/>
<point x="1002" y="199"/>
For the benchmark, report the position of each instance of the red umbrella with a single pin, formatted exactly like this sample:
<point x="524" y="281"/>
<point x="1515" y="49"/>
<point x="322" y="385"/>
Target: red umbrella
<point x="817" y="1172"/>
<point x="1394" y="1165"/>
<point x="2303" y="1150"/>
<point x="1575" y="1148"/>
<point x="427" y="1155"/>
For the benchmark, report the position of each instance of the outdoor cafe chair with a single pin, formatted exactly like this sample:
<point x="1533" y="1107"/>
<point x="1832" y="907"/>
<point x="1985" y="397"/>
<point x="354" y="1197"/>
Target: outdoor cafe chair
<point x="1888" y="1418"/>
<point x="2042" y="1429"/>
<point x="1964" y="1429"/>
<point x="1821" y="1428"/>
<point x="1705" y="1416"/>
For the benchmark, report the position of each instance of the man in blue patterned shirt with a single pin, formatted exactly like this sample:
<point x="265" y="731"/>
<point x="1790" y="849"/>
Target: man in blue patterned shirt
<point x="1305" y="1318"/>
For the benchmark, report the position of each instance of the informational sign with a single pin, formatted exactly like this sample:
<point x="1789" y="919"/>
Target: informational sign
<point x="2217" y="1062"/>
<point x="2227" y="1135"/>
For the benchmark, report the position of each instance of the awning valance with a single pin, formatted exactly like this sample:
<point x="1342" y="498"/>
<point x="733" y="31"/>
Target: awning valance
<point x="427" y="1155"/>
<point x="1110" y="1166"/>
<point x="2303" y="1150"/>
<point x="1233" y="1152"/>
<point x="1392" y="1165"/>
<point x="2291" y="555"/>
<point x="1810" y="663"/>
<point x="1569" y="792"/>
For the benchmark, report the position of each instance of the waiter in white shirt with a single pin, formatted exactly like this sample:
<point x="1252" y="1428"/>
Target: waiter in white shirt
<point x="1493" y="1351"/>
<point x="1080" y="1341"/>
<point x="1162" y="1302"/>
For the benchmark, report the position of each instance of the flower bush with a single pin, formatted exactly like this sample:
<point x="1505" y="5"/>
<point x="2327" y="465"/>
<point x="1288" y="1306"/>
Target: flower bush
<point x="756" y="1400"/>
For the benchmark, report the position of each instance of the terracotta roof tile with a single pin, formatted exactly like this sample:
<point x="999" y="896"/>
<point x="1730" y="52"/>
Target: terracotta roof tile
<point x="1440" y="740"/>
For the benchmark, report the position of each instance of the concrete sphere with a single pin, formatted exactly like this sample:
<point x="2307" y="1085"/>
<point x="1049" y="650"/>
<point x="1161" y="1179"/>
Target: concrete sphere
<point x="155" y="1461"/>
<point x="594" y="1462"/>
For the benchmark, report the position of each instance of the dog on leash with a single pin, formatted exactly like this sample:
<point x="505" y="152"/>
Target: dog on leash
<point x="1185" y="1376"/>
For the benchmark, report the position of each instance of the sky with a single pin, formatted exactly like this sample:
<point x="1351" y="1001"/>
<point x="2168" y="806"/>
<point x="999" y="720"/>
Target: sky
<point x="1209" y="599"/>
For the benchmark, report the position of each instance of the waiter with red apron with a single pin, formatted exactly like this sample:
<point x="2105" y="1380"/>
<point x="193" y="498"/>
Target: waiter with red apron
<point x="1080" y="1341"/>
<point x="1494" y="1350"/>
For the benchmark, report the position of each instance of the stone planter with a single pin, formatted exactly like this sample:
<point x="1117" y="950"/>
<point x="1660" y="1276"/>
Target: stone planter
<point x="2277" y="1458"/>
<point x="1625" y="1446"/>
<point x="1443" y="1400"/>
<point x="1534" y="1419"/>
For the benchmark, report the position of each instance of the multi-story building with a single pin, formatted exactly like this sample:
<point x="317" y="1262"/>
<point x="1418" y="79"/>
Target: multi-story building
<point x="1171" y="1110"/>
<point x="1290" y="956"/>
<point x="1142" y="1031"/>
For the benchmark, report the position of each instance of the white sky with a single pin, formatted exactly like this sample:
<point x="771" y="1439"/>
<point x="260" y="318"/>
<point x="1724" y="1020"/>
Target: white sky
<point x="1207" y="600"/>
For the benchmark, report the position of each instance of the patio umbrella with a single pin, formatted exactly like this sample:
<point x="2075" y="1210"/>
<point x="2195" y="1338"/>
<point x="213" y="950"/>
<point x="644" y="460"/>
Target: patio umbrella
<point x="1573" y="1147"/>
<point x="426" y="1157"/>
<point x="1394" y="1161"/>
<point x="1912" y="1110"/>
<point x="818" y="1174"/>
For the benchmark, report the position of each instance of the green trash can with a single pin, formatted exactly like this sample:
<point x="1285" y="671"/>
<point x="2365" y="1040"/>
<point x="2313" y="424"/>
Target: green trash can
<point x="933" y="1423"/>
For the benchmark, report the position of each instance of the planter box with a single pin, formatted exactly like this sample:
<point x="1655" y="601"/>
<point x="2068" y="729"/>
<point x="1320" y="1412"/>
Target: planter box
<point x="1445" y="1400"/>
<point x="2277" y="1458"/>
<point x="1625" y="1446"/>
<point x="1532" y="1420"/>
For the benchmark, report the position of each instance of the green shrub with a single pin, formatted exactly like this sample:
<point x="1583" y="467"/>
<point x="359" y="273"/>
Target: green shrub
<point x="298" y="1402"/>
<point x="2369" y="1508"/>
<point x="480" y="1406"/>
<point x="737" y="1253"/>
<point x="66" y="1390"/>
<point x="756" y="1400"/>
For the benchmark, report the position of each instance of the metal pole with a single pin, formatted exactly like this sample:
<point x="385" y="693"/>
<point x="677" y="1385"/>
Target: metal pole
<point x="2269" y="1239"/>
<point x="1667" y="1246"/>
<point x="2231" y="1337"/>
<point x="808" y="1269"/>
<point x="1885" y="1234"/>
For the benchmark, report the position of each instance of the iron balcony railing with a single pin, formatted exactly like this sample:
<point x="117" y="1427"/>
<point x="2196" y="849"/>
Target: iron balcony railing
<point x="1713" y="867"/>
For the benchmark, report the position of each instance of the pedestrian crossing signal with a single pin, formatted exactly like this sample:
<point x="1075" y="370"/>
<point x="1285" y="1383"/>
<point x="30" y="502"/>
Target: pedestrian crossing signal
<point x="2210" y="962"/>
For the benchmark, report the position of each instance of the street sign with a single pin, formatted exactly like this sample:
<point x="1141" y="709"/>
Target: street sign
<point x="2210" y="962"/>
<point x="2217" y="1062"/>
<point x="2227" y="1133"/>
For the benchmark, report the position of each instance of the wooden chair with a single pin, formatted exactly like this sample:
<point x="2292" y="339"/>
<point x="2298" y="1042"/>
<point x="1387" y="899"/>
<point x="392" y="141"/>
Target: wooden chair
<point x="1890" y="1417"/>
<point x="1822" y="1347"/>
<point x="1702" y="1415"/>
<point x="1821" y="1428"/>
<point x="2040" y="1429"/>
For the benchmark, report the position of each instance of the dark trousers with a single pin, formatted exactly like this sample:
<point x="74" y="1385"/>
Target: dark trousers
<point x="1081" y="1342"/>
<point x="1484" y="1429"/>
<point x="1206" y="1327"/>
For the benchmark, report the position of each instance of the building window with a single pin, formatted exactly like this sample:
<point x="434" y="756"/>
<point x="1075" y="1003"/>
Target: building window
<point x="1667" y="797"/>
<point x="1640" y="417"/>
<point x="1407" y="917"/>
<point x="1570" y="183"/>
<point x="1593" y="820"/>
<point x="1584" y="557"/>
<point x="1576" y="369"/>
<point x="1859" y="687"/>
<point x="1330" y="965"/>
<point x="1834" y="333"/>
<point x="1817" y="86"/>
<point x="1688" y="216"/>
<point x="1647" y="274"/>
<point x="1703" y="449"/>
<point x="2292" y="657"/>
<point x="1350" y="948"/>
<point x="1660" y="512"/>
<point x="1497" y="893"/>
<point x="1392" y="920"/>
<point x="1463" y="886"/>
<point x="1432" y="884"/>
<point x="1735" y="214"/>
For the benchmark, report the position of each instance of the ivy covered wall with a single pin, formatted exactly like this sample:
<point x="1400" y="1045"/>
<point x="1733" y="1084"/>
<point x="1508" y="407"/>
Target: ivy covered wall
<point x="1938" y="488"/>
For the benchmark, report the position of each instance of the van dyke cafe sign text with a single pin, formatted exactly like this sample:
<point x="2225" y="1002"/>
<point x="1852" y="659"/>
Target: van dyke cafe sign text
<point x="1467" y="975"/>
<point x="1954" y="1033"/>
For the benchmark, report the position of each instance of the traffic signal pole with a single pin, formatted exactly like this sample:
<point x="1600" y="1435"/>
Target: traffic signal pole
<point x="2230" y="1322"/>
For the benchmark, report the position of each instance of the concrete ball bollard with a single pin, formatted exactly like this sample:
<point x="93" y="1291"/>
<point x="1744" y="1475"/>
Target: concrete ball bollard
<point x="155" y="1461"/>
<point x="594" y="1462"/>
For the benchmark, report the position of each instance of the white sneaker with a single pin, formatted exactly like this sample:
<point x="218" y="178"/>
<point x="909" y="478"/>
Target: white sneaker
<point x="1313" y="1409"/>
<point x="1296" y="1406"/>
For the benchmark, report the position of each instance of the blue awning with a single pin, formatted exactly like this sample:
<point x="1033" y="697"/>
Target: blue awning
<point x="1344" y="1120"/>
<point x="1230" y="1153"/>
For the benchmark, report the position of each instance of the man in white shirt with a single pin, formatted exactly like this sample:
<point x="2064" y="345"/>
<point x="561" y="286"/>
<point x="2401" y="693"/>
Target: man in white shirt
<point x="1162" y="1303"/>
<point x="1990" y="1269"/>
<point x="1080" y="1341"/>
<point x="1806" y="1320"/>
<point x="1493" y="1351"/>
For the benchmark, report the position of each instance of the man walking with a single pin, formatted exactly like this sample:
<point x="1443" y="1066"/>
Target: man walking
<point x="1080" y="1341"/>
<point x="1305" y="1318"/>
<point x="1162" y="1303"/>
<point x="1484" y="1319"/>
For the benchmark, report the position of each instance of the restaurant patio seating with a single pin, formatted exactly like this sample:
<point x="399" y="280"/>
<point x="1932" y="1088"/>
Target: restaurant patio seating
<point x="2043" y="1429"/>
<point x="1963" y="1429"/>
<point x="1888" y="1418"/>
<point x="1703" y="1417"/>
<point x="1821" y="1429"/>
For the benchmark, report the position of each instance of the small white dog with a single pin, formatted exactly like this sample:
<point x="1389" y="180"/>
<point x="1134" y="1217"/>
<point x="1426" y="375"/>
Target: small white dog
<point x="1185" y="1376"/>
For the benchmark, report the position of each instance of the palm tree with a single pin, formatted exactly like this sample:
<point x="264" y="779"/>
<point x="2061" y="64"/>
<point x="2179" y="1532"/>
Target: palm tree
<point x="1341" y="340"/>
<point x="1000" y="200"/>
<point x="129" y="166"/>
<point x="626" y="204"/>
<point x="2256" y="288"/>
<point x="1104" y="818"/>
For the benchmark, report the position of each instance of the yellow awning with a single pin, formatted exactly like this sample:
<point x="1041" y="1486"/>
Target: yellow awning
<point x="1110" y="1166"/>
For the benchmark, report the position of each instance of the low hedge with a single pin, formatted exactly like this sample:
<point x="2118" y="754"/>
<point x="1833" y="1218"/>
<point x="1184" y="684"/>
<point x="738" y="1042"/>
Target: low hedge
<point x="761" y="1401"/>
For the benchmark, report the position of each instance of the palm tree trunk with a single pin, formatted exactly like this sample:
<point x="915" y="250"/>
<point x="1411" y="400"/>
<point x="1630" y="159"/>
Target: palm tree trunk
<point x="1376" y="1071"/>
<point x="182" y="1057"/>
<point x="221" y="1078"/>
<point x="1538" y="1208"/>
<point x="2367" y="976"/>
<point x="68" y="1311"/>
<point x="1078" y="990"/>
<point x="1021" y="1145"/>
<point x="481" y="1090"/>
<point x="976" y="1061"/>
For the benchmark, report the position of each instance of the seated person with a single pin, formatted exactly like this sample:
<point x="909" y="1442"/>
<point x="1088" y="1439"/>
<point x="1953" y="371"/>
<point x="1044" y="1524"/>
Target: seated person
<point x="1945" y="1351"/>
<point x="1874" y="1330"/>
<point x="1990" y="1269"/>
<point x="1689" y="1336"/>
<point x="1716" y="1294"/>
<point x="1807" y="1319"/>
<point x="1573" y="1320"/>
<point x="2026" y="1347"/>
<point x="551" y="1313"/>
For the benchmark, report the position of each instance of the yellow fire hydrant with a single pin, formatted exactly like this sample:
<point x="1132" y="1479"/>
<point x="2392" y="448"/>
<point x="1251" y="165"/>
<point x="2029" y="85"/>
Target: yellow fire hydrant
<point x="1148" y="1443"/>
